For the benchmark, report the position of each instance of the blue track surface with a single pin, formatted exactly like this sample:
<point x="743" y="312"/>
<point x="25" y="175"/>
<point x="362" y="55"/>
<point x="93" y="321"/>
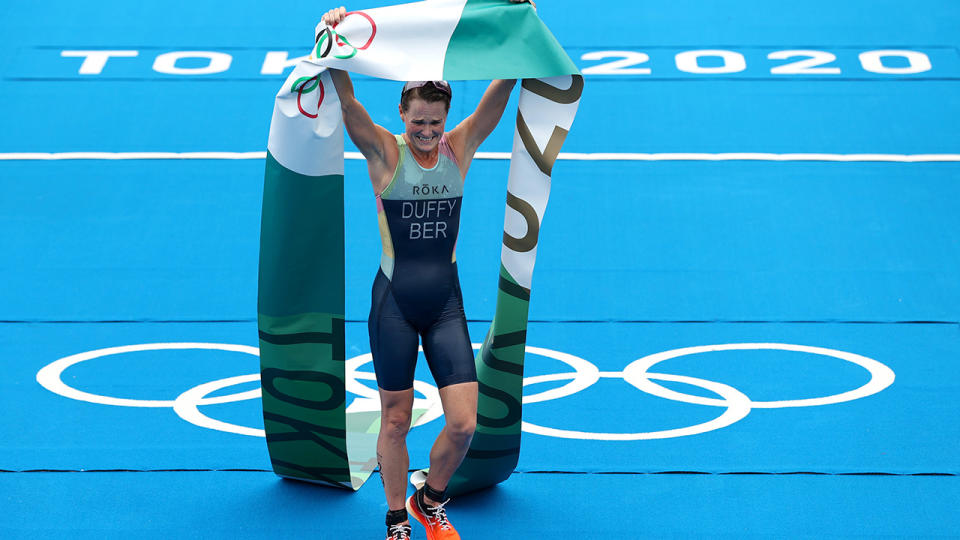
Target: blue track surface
<point x="682" y="241"/>
<point x="901" y="430"/>
<point x="635" y="258"/>
<point x="166" y="504"/>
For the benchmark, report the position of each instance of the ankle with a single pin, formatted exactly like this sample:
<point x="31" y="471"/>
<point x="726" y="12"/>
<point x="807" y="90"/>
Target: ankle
<point x="435" y="496"/>
<point x="397" y="517"/>
<point x="428" y="496"/>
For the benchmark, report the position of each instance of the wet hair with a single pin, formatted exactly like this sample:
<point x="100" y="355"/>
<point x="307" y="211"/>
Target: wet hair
<point x="428" y="93"/>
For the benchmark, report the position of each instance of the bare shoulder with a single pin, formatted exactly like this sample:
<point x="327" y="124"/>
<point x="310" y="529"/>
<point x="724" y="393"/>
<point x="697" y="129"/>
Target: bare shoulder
<point x="382" y="167"/>
<point x="457" y="140"/>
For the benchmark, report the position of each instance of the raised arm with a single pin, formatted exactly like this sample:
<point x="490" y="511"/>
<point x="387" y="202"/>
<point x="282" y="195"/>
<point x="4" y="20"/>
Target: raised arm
<point x="473" y="130"/>
<point x="363" y="132"/>
<point x="466" y="138"/>
<point x="376" y="144"/>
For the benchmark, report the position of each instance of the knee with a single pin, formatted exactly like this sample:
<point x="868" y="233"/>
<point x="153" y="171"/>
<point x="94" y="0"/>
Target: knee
<point x="461" y="429"/>
<point x="395" y="424"/>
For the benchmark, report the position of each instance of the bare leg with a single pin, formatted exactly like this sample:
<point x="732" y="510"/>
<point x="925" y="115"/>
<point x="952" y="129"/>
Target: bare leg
<point x="395" y="411"/>
<point x="460" y="411"/>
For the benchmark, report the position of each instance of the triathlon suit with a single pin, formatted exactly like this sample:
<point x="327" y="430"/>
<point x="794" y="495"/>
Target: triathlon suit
<point x="417" y="290"/>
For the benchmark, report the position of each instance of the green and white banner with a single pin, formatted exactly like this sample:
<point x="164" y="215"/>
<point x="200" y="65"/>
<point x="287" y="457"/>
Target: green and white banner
<point x="443" y="39"/>
<point x="312" y="433"/>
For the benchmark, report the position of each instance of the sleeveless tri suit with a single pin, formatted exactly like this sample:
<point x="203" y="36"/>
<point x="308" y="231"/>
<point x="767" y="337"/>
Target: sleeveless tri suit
<point x="417" y="289"/>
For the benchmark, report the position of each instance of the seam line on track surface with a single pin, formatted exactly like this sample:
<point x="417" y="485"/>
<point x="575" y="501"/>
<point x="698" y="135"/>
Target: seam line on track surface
<point x="567" y="156"/>
<point x="292" y="47"/>
<point x="623" y="473"/>
<point x="539" y="321"/>
<point x="620" y="78"/>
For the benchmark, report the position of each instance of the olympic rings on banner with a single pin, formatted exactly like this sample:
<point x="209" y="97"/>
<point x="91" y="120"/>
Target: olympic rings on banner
<point x="326" y="40"/>
<point x="300" y="87"/>
<point x="736" y="404"/>
<point x="373" y="29"/>
<point x="325" y="35"/>
<point x="323" y="39"/>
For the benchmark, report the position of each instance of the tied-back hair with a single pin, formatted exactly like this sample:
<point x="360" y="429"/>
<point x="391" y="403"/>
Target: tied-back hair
<point x="427" y="93"/>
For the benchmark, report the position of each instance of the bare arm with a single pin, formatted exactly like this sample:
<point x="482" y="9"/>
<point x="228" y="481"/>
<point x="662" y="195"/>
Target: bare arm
<point x="473" y="130"/>
<point x="376" y="144"/>
<point x="468" y="136"/>
<point x="368" y="137"/>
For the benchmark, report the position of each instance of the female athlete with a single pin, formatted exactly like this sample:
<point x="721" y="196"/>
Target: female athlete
<point x="418" y="179"/>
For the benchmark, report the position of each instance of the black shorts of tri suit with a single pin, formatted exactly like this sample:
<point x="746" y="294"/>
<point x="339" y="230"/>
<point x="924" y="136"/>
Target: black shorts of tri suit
<point x="395" y="333"/>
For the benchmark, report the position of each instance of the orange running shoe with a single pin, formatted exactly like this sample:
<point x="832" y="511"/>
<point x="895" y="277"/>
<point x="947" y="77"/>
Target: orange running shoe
<point x="433" y="518"/>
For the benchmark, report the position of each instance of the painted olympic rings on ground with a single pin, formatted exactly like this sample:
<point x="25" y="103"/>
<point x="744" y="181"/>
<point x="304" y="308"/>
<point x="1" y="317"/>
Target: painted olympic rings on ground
<point x="738" y="405"/>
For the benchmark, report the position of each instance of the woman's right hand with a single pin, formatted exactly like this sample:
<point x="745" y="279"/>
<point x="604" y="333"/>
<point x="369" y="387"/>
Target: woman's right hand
<point x="334" y="16"/>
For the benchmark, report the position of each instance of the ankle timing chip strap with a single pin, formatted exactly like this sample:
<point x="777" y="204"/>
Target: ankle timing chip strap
<point x="435" y="495"/>
<point x="396" y="517"/>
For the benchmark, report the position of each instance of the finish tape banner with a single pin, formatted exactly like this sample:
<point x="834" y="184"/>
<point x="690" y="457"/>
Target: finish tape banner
<point x="312" y="433"/>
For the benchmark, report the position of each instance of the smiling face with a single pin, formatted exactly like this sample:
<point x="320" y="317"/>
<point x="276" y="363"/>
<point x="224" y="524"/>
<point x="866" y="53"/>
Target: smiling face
<point x="423" y="124"/>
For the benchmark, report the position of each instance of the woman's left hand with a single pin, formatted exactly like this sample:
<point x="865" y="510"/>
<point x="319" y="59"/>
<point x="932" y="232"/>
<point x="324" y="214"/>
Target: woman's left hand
<point x="334" y="16"/>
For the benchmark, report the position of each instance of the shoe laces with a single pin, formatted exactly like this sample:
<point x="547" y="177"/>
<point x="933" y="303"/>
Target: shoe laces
<point x="399" y="532"/>
<point x="436" y="515"/>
